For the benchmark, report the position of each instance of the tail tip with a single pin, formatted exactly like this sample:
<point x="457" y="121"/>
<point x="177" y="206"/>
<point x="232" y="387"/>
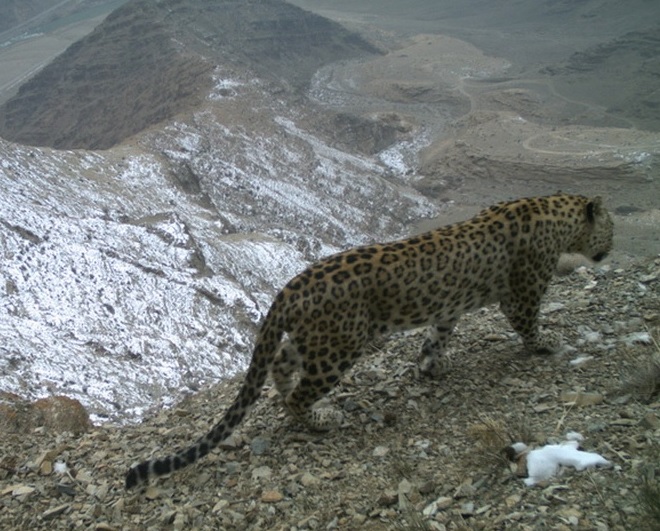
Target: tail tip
<point x="131" y="479"/>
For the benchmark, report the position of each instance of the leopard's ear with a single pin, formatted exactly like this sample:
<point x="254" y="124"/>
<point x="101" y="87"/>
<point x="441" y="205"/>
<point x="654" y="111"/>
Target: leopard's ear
<point x="594" y="208"/>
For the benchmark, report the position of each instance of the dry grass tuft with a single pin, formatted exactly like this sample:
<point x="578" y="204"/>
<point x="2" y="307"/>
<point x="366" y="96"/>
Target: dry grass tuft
<point x="494" y="436"/>
<point x="649" y="494"/>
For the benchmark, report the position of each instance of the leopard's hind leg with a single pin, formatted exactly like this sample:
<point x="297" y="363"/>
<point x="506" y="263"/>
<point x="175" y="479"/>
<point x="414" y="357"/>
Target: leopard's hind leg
<point x="286" y="368"/>
<point x="320" y="372"/>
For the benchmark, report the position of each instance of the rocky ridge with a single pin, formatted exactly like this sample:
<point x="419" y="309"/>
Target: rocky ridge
<point x="412" y="453"/>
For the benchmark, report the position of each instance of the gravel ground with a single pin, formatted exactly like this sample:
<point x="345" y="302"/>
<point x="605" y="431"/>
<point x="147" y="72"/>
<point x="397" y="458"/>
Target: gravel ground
<point x="412" y="454"/>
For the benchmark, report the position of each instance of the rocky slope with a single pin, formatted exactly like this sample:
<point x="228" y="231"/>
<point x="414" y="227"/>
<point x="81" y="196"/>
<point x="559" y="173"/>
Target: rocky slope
<point x="412" y="454"/>
<point x="118" y="260"/>
<point x="150" y="60"/>
<point x="115" y="263"/>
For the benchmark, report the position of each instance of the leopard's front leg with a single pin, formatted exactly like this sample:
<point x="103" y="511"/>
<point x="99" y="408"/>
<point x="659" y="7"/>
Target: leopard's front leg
<point x="523" y="315"/>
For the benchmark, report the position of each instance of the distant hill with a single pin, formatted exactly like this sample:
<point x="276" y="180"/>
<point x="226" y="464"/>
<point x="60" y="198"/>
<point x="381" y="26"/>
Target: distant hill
<point x="150" y="60"/>
<point x="627" y="69"/>
<point x="602" y="52"/>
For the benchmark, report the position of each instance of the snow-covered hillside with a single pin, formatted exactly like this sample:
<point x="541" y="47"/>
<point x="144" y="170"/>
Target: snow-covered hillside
<point x="132" y="274"/>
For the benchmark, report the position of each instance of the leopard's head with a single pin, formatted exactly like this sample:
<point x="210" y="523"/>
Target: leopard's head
<point x="600" y="228"/>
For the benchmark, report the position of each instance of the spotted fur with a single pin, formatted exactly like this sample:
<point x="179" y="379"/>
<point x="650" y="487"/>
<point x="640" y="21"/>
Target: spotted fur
<point x="337" y="306"/>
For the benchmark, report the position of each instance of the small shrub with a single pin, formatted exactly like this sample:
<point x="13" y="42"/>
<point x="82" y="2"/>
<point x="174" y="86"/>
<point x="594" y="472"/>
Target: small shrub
<point x="494" y="436"/>
<point x="649" y="494"/>
<point x="644" y="381"/>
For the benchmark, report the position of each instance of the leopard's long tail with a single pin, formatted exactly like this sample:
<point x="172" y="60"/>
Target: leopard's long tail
<point x="264" y="352"/>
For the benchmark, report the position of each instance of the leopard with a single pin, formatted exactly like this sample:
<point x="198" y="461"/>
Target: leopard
<point x="323" y="319"/>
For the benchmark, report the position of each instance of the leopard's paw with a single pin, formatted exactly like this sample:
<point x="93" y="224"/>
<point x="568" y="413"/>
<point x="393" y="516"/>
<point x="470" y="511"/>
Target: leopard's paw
<point x="325" y="419"/>
<point x="435" y="366"/>
<point x="548" y="342"/>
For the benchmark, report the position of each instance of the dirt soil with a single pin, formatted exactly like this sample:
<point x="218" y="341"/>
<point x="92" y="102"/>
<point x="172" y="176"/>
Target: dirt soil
<point x="412" y="454"/>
